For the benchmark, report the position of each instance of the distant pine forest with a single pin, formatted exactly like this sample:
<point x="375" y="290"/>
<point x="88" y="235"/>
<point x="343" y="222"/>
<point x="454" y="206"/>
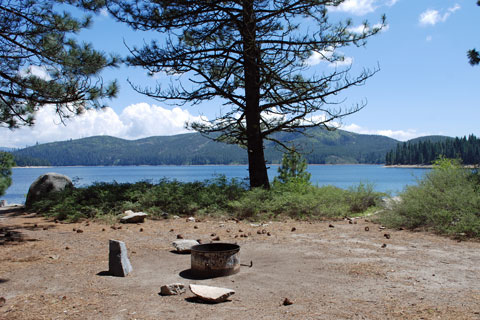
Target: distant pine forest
<point x="425" y="152"/>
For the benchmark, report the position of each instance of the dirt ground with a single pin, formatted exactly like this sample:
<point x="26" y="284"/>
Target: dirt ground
<point x="329" y="270"/>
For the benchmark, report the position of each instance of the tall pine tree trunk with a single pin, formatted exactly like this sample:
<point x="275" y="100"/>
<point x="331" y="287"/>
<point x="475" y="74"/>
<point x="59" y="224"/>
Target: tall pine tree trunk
<point x="256" y="158"/>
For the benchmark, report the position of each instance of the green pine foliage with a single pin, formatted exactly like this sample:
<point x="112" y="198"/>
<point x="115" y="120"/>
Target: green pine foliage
<point x="446" y="201"/>
<point x="425" y="152"/>
<point x="42" y="64"/>
<point x="6" y="164"/>
<point x="293" y="169"/>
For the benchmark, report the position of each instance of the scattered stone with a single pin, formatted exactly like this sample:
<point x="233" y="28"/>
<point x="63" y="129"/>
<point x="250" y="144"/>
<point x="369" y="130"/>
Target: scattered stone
<point x="384" y="245"/>
<point x="172" y="289"/>
<point x="387" y="235"/>
<point x="287" y="302"/>
<point x="54" y="256"/>
<point x="381" y="227"/>
<point x="46" y="184"/>
<point x="118" y="263"/>
<point x="195" y="227"/>
<point x="191" y="219"/>
<point x="103" y="229"/>
<point x="179" y="236"/>
<point x="269" y="234"/>
<point x="79" y="231"/>
<point x="211" y="294"/>
<point x="240" y="230"/>
<point x="228" y="230"/>
<point x="74" y="229"/>
<point x="217" y="238"/>
<point x="133" y="217"/>
<point x="176" y="217"/>
<point x="331" y="226"/>
<point x="171" y="230"/>
<point x="294" y="229"/>
<point x="141" y="230"/>
<point x="184" y="246"/>
<point x="113" y="227"/>
<point x="67" y="248"/>
<point x="367" y="229"/>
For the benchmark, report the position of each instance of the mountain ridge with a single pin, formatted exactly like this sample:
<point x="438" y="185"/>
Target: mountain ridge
<point x="318" y="145"/>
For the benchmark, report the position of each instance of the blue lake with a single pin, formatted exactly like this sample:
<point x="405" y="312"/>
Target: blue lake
<point x="392" y="180"/>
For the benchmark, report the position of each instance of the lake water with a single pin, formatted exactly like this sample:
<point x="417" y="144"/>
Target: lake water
<point x="391" y="180"/>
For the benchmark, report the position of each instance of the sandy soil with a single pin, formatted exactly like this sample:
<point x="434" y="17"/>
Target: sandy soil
<point x="329" y="270"/>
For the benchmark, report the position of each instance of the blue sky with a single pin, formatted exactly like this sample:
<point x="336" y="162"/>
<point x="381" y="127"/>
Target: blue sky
<point x="425" y="85"/>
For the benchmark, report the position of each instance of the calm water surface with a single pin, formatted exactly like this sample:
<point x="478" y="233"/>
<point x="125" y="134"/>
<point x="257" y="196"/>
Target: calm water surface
<point x="391" y="180"/>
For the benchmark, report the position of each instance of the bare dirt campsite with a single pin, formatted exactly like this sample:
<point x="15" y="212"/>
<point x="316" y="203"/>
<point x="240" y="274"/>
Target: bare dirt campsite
<point x="327" y="270"/>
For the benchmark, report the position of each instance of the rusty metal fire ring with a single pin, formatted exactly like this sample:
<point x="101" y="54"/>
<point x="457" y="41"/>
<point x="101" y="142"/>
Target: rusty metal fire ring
<point x="215" y="259"/>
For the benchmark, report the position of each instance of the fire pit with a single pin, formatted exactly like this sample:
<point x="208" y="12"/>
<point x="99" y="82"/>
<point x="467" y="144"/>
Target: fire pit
<point x="215" y="259"/>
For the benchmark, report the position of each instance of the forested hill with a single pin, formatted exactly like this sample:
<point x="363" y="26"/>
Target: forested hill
<point x="319" y="147"/>
<point x="425" y="150"/>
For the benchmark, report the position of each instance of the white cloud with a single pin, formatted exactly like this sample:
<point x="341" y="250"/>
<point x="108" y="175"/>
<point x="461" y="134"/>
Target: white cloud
<point x="432" y="17"/>
<point x="402" y="135"/>
<point x="134" y="122"/>
<point x="104" y="12"/>
<point x="362" y="7"/>
<point x="39" y="71"/>
<point x="326" y="56"/>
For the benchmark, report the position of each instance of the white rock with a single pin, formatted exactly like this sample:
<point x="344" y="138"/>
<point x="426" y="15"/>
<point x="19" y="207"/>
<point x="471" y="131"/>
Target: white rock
<point x="211" y="294"/>
<point x="172" y="289"/>
<point x="184" y="246"/>
<point x="191" y="219"/>
<point x="176" y="217"/>
<point x="133" y="217"/>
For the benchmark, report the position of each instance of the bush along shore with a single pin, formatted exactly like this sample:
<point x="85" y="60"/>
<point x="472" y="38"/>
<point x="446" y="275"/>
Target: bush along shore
<point x="446" y="201"/>
<point x="216" y="197"/>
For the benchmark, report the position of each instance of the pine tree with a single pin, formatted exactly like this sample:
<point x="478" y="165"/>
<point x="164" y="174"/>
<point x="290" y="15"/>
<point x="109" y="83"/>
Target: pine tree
<point x="41" y="65"/>
<point x="253" y="54"/>
<point x="6" y="164"/>
<point x="293" y="169"/>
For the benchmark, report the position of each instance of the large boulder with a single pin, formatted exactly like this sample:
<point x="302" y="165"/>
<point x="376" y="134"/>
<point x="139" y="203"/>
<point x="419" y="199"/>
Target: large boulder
<point x="45" y="184"/>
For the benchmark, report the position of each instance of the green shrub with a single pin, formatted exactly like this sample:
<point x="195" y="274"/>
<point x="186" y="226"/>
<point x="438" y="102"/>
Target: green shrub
<point x="446" y="200"/>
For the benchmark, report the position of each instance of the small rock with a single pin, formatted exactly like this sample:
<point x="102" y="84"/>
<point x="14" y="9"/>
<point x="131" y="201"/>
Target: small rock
<point x="79" y="231"/>
<point x="217" y="238"/>
<point x="133" y="217"/>
<point x="172" y="289"/>
<point x="269" y="234"/>
<point x="141" y="230"/>
<point x="331" y="226"/>
<point x="384" y="245"/>
<point x="191" y="219"/>
<point x="171" y="230"/>
<point x="103" y="229"/>
<point x="54" y="257"/>
<point x="367" y="229"/>
<point x="176" y="217"/>
<point x="240" y="230"/>
<point x="228" y="230"/>
<point x="74" y="229"/>
<point x="211" y="294"/>
<point x="387" y="235"/>
<point x="164" y="215"/>
<point x="113" y="227"/>
<point x="118" y="263"/>
<point x="294" y="229"/>
<point x="259" y="232"/>
<point x="195" y="227"/>
<point x="179" y="236"/>
<point x="67" y="248"/>
<point x="287" y="302"/>
<point x="184" y="246"/>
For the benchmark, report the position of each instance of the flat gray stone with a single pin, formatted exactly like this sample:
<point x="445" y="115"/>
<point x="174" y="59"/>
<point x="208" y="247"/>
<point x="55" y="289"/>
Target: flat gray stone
<point x="172" y="289"/>
<point x="211" y="294"/>
<point x="184" y="245"/>
<point x="118" y="263"/>
<point x="133" y="217"/>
